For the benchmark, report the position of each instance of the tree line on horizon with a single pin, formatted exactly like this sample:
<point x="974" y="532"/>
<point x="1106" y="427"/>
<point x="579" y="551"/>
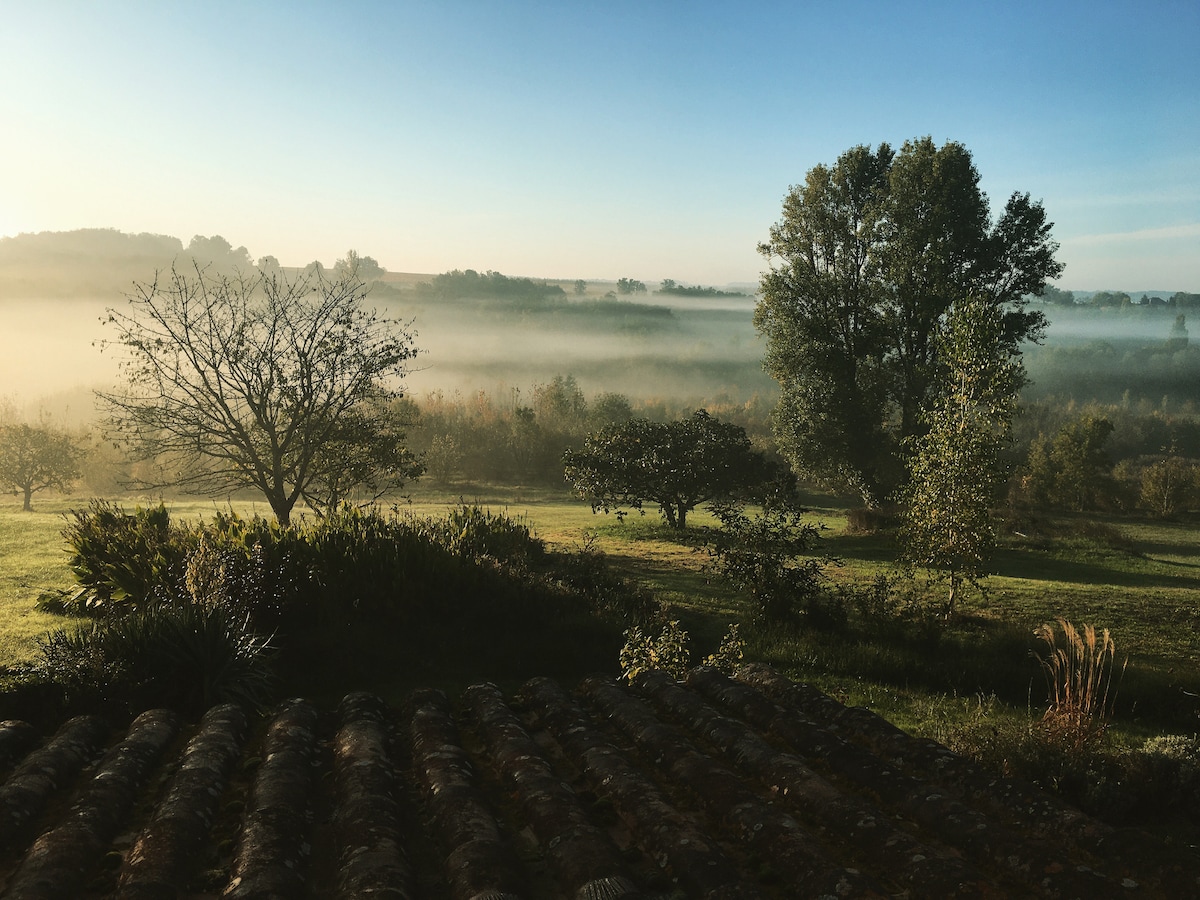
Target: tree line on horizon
<point x="91" y="261"/>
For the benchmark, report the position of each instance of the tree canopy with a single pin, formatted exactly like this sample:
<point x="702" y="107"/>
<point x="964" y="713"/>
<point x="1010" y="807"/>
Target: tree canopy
<point x="36" y="458"/>
<point x="677" y="465"/>
<point x="867" y="260"/>
<point x="276" y="385"/>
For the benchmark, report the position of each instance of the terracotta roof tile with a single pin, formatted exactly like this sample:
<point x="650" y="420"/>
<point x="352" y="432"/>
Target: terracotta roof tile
<point x="720" y="787"/>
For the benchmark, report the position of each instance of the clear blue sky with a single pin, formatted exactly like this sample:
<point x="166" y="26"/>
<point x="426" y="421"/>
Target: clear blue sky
<point x="590" y="139"/>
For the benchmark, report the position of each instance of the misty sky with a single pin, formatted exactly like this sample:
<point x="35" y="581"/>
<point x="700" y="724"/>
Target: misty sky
<point x="586" y="139"/>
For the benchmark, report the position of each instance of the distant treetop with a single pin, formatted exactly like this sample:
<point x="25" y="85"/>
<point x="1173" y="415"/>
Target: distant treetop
<point x="669" y="286"/>
<point x="469" y="284"/>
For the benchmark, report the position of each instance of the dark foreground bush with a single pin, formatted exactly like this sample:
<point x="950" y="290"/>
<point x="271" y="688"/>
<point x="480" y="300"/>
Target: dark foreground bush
<point x="187" y="657"/>
<point x="353" y="597"/>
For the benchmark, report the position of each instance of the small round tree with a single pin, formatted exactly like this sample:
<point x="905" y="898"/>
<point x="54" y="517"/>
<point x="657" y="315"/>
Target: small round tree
<point x="677" y="465"/>
<point x="36" y="458"/>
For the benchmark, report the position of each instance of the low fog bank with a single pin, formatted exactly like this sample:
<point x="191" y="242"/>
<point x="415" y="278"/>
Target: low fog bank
<point x="1072" y="326"/>
<point x="50" y="361"/>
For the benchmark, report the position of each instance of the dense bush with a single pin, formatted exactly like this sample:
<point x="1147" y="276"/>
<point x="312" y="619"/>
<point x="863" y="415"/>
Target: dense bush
<point x="871" y="519"/>
<point x="126" y="559"/>
<point x="185" y="656"/>
<point x="768" y="556"/>
<point x="350" y="591"/>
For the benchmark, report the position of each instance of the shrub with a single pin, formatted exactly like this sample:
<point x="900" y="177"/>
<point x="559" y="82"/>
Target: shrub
<point x="356" y="582"/>
<point x="670" y="652"/>
<point x="1168" y="486"/>
<point x="871" y="519"/>
<point x="667" y="652"/>
<point x="587" y="572"/>
<point x="762" y="555"/>
<point x="126" y="560"/>
<point x="729" y="654"/>
<point x="186" y="656"/>
<point x="1165" y="775"/>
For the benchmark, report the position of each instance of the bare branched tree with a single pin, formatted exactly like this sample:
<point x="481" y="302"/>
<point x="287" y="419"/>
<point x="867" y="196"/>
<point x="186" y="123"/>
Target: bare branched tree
<point x="279" y="385"/>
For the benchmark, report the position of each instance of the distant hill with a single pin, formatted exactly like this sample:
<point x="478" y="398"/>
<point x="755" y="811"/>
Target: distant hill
<point x="101" y="261"/>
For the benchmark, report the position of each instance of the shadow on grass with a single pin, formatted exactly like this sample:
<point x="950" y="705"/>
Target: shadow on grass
<point x="1113" y="568"/>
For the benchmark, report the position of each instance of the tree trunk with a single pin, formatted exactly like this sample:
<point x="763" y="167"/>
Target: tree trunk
<point x="681" y="518"/>
<point x="955" y="581"/>
<point x="28" y="507"/>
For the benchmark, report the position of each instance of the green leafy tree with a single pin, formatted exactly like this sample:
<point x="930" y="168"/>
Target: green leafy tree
<point x="1072" y="470"/>
<point x="866" y="262"/>
<point x="37" y="458"/>
<point x="580" y="287"/>
<point x="1056" y="297"/>
<point x="630" y="286"/>
<point x="264" y="383"/>
<point x="1168" y="486"/>
<point x="957" y="467"/>
<point x="677" y="465"/>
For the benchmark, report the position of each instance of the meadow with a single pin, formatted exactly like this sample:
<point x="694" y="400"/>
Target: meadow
<point x="1135" y="577"/>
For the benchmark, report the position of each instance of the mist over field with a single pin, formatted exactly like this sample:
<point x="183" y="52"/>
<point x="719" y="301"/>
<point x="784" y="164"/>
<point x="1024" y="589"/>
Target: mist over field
<point x="507" y="335"/>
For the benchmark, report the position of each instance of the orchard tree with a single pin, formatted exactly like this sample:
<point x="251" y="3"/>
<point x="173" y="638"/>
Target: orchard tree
<point x="677" y="465"/>
<point x="36" y="458"/>
<point x="957" y="467"/>
<point x="277" y="385"/>
<point x="867" y="261"/>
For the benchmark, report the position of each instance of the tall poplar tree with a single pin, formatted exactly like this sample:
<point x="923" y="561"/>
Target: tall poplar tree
<point x="866" y="262"/>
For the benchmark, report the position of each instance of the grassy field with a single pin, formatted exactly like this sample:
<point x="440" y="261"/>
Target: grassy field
<point x="1137" y="578"/>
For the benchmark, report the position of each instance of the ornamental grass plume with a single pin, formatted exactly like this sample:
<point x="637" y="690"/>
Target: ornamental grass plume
<point x="1081" y="678"/>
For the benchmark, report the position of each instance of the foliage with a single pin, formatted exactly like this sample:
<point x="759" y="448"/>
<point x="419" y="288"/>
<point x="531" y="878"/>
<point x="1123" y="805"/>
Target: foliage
<point x="260" y="382"/>
<point x="630" y="286"/>
<point x="956" y="468"/>
<point x="35" y="459"/>
<point x="668" y="286"/>
<point x="364" y="268"/>
<point x="729" y="654"/>
<point x="766" y="556"/>
<point x="482" y="437"/>
<point x="186" y="656"/>
<point x="469" y="284"/>
<point x="125" y="559"/>
<point x="474" y="533"/>
<point x="1080" y="676"/>
<point x="393" y="594"/>
<point x="867" y="259"/>
<point x="1168" y="486"/>
<point x="668" y="652"/>
<point x="363" y="458"/>
<point x="871" y="519"/>
<point x="1072" y="470"/>
<point x="677" y="465"/>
